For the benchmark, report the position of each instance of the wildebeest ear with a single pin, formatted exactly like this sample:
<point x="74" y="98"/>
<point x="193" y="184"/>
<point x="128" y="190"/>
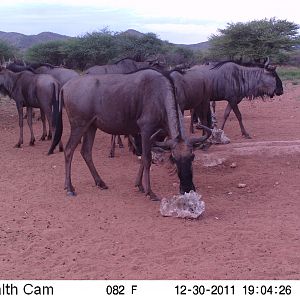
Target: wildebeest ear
<point x="271" y="68"/>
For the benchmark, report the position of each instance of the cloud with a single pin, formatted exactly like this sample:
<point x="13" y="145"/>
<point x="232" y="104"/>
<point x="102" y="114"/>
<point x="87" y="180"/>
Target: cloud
<point x="190" y="21"/>
<point x="183" y="33"/>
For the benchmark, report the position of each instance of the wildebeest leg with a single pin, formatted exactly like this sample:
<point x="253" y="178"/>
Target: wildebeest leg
<point x="43" y="118"/>
<point x="20" y="112"/>
<point x="86" y="152"/>
<point x="48" y="113"/>
<point x="29" y="121"/>
<point x="238" y="114"/>
<point x="75" y="136"/>
<point x="213" y="114"/>
<point x="112" y="145"/>
<point x="139" y="178"/>
<point x="226" y="115"/>
<point x="213" y="105"/>
<point x="25" y="115"/>
<point x="192" y="112"/>
<point x="203" y="112"/>
<point x="146" y="161"/>
<point x="120" y="143"/>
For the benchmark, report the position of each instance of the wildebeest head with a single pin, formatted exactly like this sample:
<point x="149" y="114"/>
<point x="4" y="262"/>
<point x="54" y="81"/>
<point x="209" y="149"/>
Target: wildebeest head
<point x="182" y="156"/>
<point x="3" y="82"/>
<point x="271" y="71"/>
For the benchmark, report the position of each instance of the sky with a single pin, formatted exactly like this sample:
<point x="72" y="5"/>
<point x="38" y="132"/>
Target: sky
<point x="181" y="22"/>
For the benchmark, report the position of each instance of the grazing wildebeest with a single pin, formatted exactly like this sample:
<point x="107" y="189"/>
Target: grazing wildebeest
<point x="31" y="90"/>
<point x="141" y="102"/>
<point x="233" y="81"/>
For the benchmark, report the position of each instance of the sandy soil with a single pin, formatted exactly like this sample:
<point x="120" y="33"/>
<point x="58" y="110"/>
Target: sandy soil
<point x="245" y="233"/>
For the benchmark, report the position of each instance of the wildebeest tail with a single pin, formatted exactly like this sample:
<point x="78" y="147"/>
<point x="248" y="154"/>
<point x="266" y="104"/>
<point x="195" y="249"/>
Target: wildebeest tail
<point x="57" y="119"/>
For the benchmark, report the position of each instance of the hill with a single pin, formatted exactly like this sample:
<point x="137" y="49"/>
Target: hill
<point x="23" y="42"/>
<point x="195" y="47"/>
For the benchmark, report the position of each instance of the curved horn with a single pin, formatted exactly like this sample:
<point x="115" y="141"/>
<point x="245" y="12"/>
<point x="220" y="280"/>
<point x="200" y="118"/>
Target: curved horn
<point x="181" y="125"/>
<point x="155" y="134"/>
<point x="169" y="144"/>
<point x="267" y="62"/>
<point x="203" y="138"/>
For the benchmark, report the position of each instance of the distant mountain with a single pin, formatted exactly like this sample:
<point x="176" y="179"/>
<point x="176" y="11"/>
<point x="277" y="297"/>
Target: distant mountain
<point x="195" y="47"/>
<point x="23" y="42"/>
<point x="132" y="32"/>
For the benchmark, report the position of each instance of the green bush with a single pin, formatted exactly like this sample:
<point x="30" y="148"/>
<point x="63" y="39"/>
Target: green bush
<point x="289" y="73"/>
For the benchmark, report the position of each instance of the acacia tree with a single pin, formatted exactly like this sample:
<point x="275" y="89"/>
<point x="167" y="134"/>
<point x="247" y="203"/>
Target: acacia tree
<point x="7" y="51"/>
<point x="255" y="40"/>
<point x="50" y="52"/>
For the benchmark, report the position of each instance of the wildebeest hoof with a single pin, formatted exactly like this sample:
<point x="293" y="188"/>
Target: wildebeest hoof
<point x="43" y="137"/>
<point x="111" y="155"/>
<point x="102" y="186"/>
<point x="205" y="147"/>
<point x="153" y="197"/>
<point x="31" y="143"/>
<point x="121" y="146"/>
<point x="140" y="187"/>
<point x="247" y="136"/>
<point x="17" y="145"/>
<point x="71" y="193"/>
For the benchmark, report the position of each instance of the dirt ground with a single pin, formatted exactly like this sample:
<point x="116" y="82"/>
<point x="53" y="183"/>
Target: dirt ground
<point x="245" y="233"/>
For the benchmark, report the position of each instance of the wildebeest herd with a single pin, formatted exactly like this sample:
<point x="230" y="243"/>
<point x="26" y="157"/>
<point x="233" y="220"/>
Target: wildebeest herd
<point x="141" y="100"/>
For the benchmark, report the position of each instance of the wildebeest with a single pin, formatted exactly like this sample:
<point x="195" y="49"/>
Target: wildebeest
<point x="233" y="81"/>
<point x="141" y="102"/>
<point x="15" y="67"/>
<point x="31" y="90"/>
<point x="19" y="66"/>
<point x="62" y="75"/>
<point x="192" y="93"/>
<point x="122" y="66"/>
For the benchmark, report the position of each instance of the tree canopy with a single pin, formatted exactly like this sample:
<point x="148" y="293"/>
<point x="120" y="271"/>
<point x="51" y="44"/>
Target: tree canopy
<point x="7" y="51"/>
<point x="255" y="39"/>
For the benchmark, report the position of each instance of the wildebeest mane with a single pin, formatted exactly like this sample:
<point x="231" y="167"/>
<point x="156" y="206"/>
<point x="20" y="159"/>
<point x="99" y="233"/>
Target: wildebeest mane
<point x="118" y="61"/>
<point x="37" y="65"/>
<point x="237" y="80"/>
<point x="242" y="64"/>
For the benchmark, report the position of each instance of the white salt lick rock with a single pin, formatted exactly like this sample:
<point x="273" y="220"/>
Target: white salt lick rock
<point x="188" y="206"/>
